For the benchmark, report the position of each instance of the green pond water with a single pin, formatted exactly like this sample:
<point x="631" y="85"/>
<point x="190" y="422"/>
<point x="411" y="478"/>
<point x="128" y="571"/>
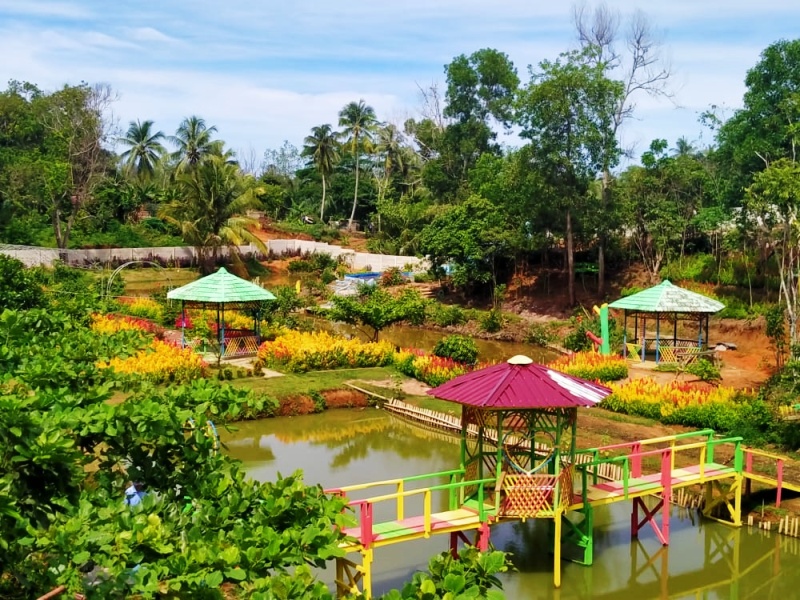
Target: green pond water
<point x="705" y="560"/>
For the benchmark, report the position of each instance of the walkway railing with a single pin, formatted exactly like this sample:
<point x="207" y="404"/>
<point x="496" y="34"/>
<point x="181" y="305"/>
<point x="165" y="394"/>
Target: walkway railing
<point x="454" y="489"/>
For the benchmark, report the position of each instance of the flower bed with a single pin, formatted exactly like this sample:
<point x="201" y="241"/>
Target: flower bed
<point x="160" y="363"/>
<point x="592" y="366"/>
<point x="110" y="324"/>
<point x="300" y="352"/>
<point x="430" y="369"/>
<point x="723" y="409"/>
<point x="143" y="307"/>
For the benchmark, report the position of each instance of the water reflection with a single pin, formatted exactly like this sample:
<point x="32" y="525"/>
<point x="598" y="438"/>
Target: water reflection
<point x="705" y="559"/>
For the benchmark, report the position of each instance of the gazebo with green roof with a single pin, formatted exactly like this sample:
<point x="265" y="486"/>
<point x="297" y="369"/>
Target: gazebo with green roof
<point x="674" y="303"/>
<point x="224" y="290"/>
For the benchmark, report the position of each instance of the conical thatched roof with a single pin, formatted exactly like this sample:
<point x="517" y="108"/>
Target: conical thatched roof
<point x="221" y="288"/>
<point x="668" y="298"/>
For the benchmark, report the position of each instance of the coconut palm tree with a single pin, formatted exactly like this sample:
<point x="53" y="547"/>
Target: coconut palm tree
<point x="193" y="140"/>
<point x="359" y="122"/>
<point x="144" y="148"/>
<point x="323" y="148"/>
<point x="210" y="211"/>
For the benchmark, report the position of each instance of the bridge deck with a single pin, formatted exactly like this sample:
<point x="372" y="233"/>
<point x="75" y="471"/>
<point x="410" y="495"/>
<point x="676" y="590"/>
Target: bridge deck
<point x="608" y="492"/>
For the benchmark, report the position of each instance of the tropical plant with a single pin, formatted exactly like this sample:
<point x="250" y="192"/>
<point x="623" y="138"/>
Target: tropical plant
<point x="193" y="140"/>
<point x="359" y="122"/>
<point x="210" y="213"/>
<point x="323" y="148"/>
<point x="144" y="148"/>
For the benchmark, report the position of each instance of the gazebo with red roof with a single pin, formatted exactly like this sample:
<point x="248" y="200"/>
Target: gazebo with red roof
<point x="519" y="424"/>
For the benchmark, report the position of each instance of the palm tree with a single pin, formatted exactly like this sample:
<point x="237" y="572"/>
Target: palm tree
<point x="323" y="148"/>
<point x="210" y="209"/>
<point x="144" y="148"/>
<point x="359" y="122"/>
<point x="390" y="146"/>
<point x="193" y="139"/>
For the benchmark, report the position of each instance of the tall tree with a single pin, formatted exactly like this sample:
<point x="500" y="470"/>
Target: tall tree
<point x="144" y="148"/>
<point x="641" y="70"/>
<point x="774" y="200"/>
<point x="765" y="128"/>
<point x="566" y="112"/>
<point x="210" y="212"/>
<point x="193" y="140"/>
<point x="322" y="146"/>
<point x="77" y="124"/>
<point x="359" y="122"/>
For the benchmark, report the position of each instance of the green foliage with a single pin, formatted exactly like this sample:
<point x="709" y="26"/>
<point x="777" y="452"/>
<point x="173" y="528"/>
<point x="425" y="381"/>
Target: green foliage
<point x="445" y="315"/>
<point x="576" y="339"/>
<point x="18" y="288"/>
<point x="316" y="262"/>
<point x="458" y="347"/>
<point x="188" y="535"/>
<point x="540" y="334"/>
<point x="392" y="277"/>
<point x="376" y="309"/>
<point x="705" y="370"/>
<point x="472" y="575"/>
<point x="492" y="321"/>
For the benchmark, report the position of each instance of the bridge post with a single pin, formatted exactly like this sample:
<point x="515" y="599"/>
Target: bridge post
<point x="557" y="548"/>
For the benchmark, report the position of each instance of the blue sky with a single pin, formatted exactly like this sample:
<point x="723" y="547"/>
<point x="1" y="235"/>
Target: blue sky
<point x="268" y="71"/>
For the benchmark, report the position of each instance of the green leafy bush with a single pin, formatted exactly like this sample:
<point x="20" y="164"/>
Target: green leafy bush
<point x="492" y="321"/>
<point x="458" y="347"/>
<point x="472" y="575"/>
<point x="539" y="334"/>
<point x="18" y="287"/>
<point x="444" y="315"/>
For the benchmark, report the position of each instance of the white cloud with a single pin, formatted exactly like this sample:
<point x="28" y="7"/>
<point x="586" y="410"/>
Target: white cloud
<point x="149" y="34"/>
<point x="264" y="72"/>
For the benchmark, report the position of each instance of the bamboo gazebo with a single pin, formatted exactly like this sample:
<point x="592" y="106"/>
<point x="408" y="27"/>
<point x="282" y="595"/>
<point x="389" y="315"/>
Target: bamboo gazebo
<point x="670" y="303"/>
<point x="225" y="291"/>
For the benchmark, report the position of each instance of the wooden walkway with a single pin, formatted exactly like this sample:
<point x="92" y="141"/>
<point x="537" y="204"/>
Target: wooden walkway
<point x="632" y="471"/>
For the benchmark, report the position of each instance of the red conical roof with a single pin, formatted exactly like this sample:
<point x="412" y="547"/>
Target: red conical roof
<point x="520" y="384"/>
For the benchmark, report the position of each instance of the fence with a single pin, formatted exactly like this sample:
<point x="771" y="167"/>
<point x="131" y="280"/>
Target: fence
<point x="185" y="256"/>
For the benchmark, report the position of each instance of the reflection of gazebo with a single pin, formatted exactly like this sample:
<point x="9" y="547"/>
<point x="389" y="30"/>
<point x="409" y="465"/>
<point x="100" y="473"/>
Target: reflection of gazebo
<point x="519" y="424"/>
<point x="670" y="302"/>
<point x="223" y="290"/>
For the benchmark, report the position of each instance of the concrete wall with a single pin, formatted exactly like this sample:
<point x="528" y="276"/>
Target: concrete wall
<point x="34" y="256"/>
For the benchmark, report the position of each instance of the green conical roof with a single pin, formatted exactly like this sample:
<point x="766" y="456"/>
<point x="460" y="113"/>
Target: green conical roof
<point x="668" y="298"/>
<point x="220" y="288"/>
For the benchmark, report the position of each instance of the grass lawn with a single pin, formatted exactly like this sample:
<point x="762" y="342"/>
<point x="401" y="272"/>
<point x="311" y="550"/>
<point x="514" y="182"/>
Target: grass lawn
<point x="293" y="384"/>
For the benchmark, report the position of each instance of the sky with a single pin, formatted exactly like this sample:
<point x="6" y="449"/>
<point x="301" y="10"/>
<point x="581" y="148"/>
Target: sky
<point x="267" y="71"/>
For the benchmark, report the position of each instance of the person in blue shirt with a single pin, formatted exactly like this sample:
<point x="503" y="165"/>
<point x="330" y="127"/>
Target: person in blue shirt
<point x="134" y="494"/>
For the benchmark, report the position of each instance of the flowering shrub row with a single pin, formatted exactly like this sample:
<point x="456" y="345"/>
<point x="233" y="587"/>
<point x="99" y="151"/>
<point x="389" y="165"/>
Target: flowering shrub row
<point x="110" y="324"/>
<point x="161" y="362"/>
<point x="300" y="352"/>
<point x="592" y="366"/>
<point x="723" y="409"/>
<point x="144" y="307"/>
<point x="428" y="368"/>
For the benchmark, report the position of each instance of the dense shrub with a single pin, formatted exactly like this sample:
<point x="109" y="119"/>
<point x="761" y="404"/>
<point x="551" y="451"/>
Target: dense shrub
<point x="392" y="277"/>
<point x="540" y="334"/>
<point x="428" y="368"/>
<point x="492" y="321"/>
<point x="458" y="347"/>
<point x="444" y="315"/>
<point x="18" y="287"/>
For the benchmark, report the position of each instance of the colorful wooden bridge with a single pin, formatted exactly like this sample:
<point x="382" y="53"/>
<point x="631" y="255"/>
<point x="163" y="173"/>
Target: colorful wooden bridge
<point x="646" y="472"/>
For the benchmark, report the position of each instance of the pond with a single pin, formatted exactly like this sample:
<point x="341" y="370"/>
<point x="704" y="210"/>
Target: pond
<point x="425" y="339"/>
<point x="705" y="559"/>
